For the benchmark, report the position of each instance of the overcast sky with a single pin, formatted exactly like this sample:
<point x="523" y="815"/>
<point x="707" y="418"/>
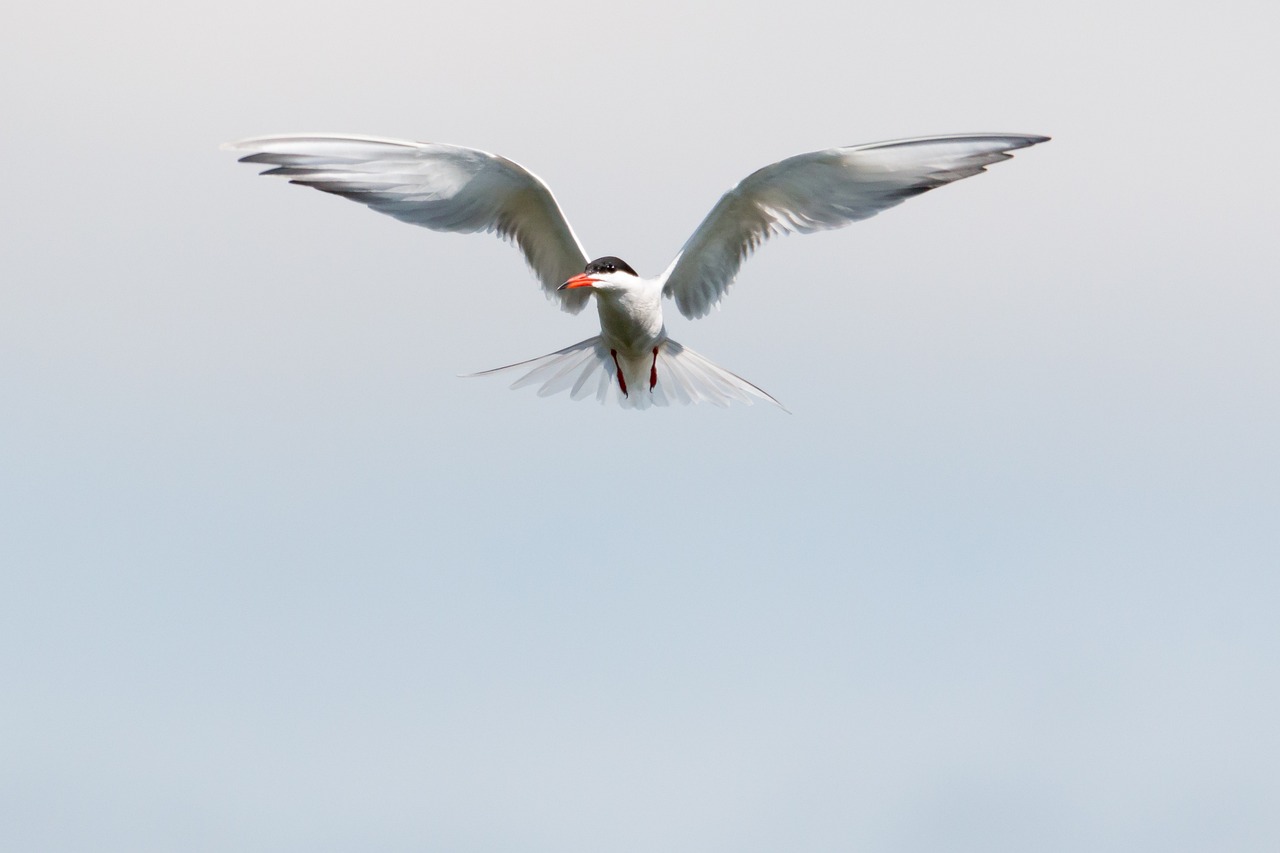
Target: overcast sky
<point x="275" y="579"/>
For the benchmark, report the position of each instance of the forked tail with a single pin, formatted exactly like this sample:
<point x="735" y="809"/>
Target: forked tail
<point x="673" y="374"/>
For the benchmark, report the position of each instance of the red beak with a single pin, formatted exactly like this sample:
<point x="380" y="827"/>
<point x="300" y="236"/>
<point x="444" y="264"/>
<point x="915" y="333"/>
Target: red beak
<point x="579" y="280"/>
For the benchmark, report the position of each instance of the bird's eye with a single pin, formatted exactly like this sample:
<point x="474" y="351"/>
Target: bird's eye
<point x="610" y="268"/>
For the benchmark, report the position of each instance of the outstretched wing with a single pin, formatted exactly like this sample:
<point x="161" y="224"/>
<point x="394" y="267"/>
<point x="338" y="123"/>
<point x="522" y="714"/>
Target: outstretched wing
<point x="818" y="191"/>
<point x="442" y="187"/>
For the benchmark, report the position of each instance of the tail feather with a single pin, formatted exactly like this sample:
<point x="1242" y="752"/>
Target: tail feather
<point x="699" y="379"/>
<point x="588" y="369"/>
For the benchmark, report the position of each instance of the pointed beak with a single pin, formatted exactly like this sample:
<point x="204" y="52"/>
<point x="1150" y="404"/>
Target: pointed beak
<point x="580" y="280"/>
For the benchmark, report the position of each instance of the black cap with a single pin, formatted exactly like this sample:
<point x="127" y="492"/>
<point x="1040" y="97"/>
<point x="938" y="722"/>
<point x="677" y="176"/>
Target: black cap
<point x="609" y="264"/>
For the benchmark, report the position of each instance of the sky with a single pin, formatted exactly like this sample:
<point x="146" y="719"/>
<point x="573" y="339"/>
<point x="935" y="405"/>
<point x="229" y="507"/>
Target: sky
<point x="275" y="579"/>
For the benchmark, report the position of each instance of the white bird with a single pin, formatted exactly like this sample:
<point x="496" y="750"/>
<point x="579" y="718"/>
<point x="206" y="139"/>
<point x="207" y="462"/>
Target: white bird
<point x="450" y="188"/>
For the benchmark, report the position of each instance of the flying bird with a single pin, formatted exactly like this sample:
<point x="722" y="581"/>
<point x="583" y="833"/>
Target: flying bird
<point x="450" y="188"/>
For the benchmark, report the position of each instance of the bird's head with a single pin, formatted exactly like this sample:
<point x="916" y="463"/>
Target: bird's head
<point x="604" y="274"/>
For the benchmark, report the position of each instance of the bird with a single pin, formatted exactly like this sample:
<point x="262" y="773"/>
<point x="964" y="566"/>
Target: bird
<point x="633" y="360"/>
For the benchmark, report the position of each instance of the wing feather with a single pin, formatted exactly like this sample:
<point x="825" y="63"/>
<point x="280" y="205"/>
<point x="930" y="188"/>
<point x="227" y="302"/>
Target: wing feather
<point x="816" y="192"/>
<point x="437" y="186"/>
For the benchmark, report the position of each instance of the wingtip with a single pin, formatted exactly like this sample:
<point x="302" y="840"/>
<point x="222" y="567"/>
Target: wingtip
<point x="239" y="147"/>
<point x="240" y="144"/>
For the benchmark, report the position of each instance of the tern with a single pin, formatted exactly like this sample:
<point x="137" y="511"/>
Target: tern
<point x="451" y="188"/>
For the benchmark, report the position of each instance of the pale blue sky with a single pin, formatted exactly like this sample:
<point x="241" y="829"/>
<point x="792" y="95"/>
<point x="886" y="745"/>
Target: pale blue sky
<point x="274" y="579"/>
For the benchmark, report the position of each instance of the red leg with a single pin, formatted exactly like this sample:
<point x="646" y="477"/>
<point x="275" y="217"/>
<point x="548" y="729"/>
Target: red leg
<point x="622" y="382"/>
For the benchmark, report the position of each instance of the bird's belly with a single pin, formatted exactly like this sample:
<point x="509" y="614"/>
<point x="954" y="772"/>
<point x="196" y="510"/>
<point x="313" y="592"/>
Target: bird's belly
<point x="637" y="347"/>
<point x="632" y="333"/>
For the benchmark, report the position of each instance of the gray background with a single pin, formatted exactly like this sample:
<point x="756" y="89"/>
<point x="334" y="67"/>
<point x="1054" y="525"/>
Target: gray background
<point x="274" y="579"/>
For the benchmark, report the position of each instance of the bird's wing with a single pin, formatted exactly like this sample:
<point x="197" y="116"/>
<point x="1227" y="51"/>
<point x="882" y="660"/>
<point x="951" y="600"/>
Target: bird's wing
<point x="818" y="191"/>
<point x="442" y="187"/>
